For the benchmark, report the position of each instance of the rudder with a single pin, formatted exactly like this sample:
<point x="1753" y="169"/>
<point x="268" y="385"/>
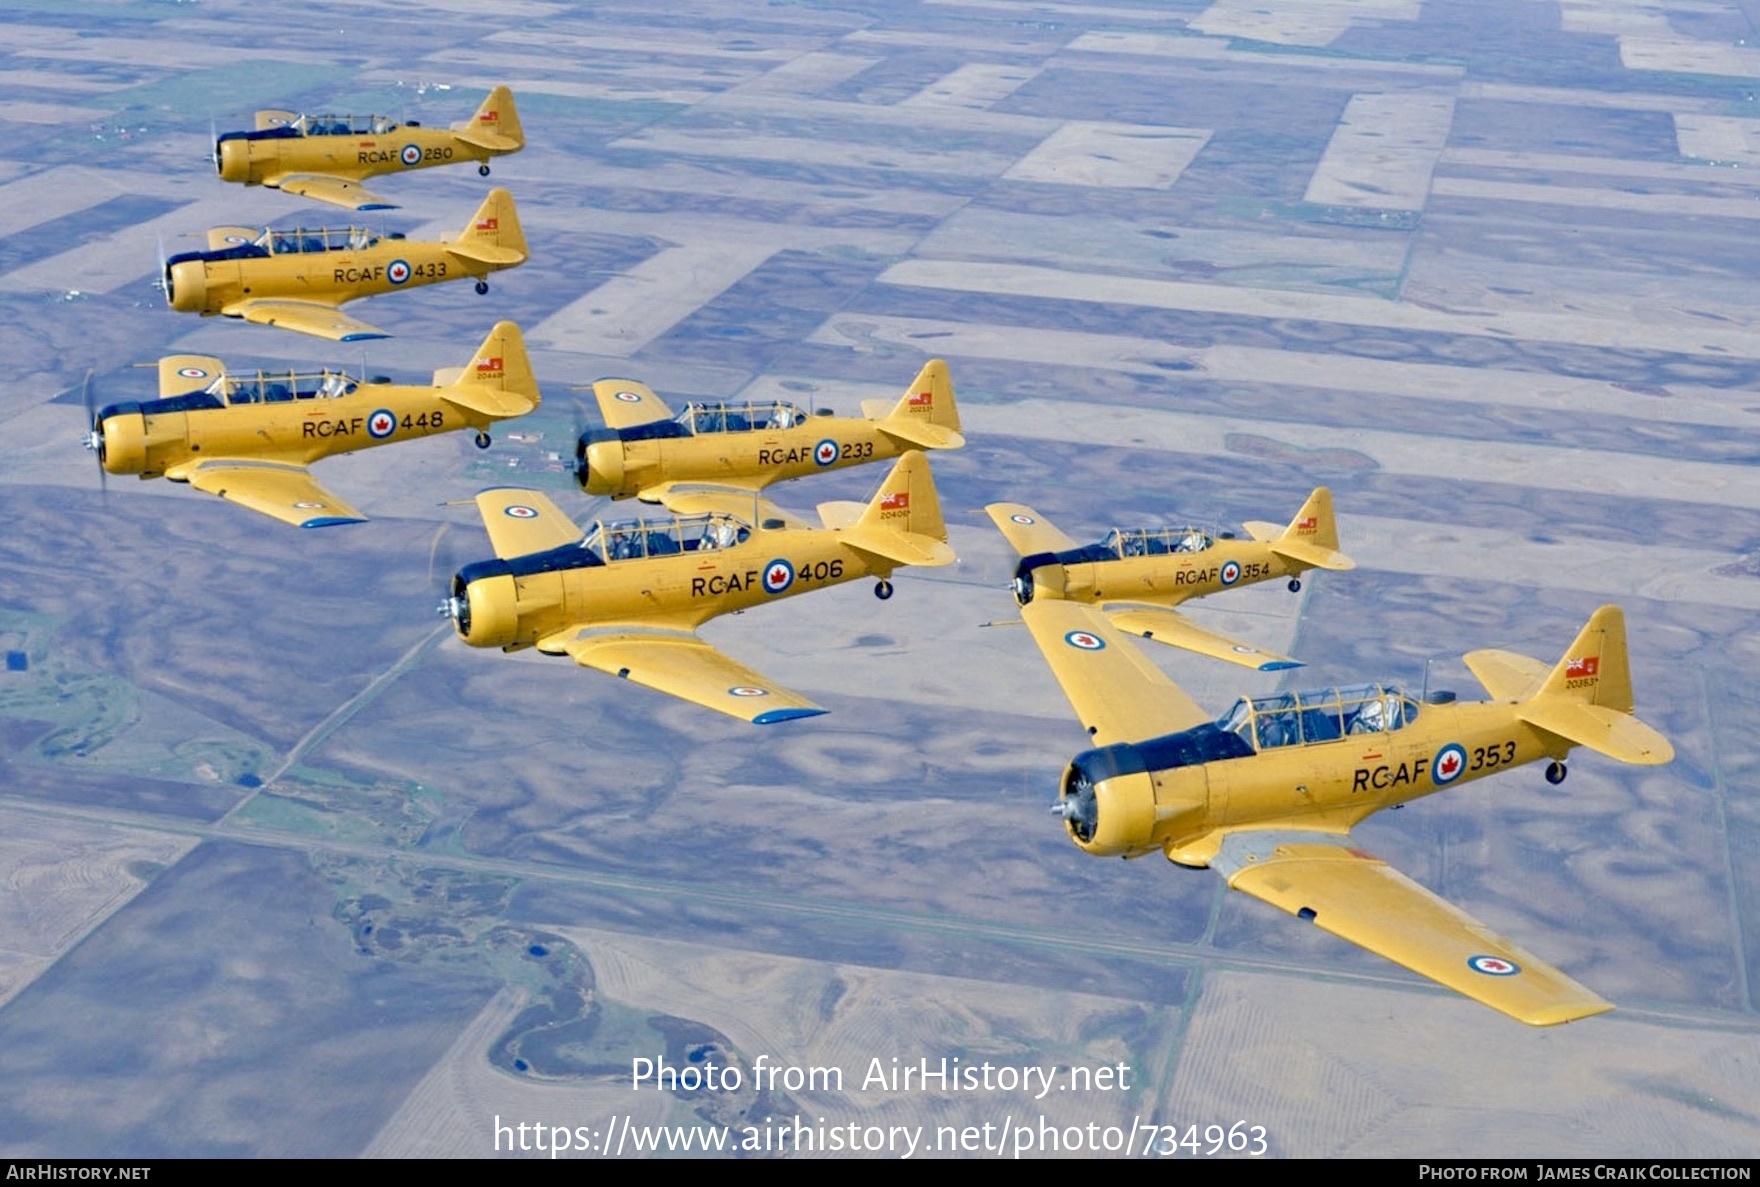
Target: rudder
<point x="1595" y="668"/>
<point x="906" y="501"/>
<point x="493" y="236"/>
<point x="495" y="124"/>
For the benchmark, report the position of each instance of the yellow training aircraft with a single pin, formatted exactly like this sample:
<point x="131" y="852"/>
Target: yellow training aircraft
<point x="1138" y="575"/>
<point x="628" y="598"/>
<point x="249" y="437"/>
<point x="650" y="453"/>
<point x="296" y="278"/>
<point x="1267" y="793"/>
<point x="326" y="157"/>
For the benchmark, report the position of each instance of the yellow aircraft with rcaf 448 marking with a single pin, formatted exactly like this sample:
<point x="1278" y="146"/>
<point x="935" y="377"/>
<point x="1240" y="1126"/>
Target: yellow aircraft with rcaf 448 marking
<point x="249" y="437"/>
<point x="650" y="452"/>
<point x="1138" y="575"/>
<point x="326" y="157"/>
<point x="296" y="278"/>
<point x="628" y="598"/>
<point x="1267" y="793"/>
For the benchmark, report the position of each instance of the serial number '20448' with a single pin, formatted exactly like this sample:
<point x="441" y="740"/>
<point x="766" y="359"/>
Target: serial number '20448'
<point x="1167" y="1140"/>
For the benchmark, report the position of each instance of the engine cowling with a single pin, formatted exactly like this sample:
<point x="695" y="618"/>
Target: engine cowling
<point x="124" y="440"/>
<point x="485" y="609"/>
<point x="599" y="466"/>
<point x="186" y="285"/>
<point x="1108" y="802"/>
<point x="233" y="159"/>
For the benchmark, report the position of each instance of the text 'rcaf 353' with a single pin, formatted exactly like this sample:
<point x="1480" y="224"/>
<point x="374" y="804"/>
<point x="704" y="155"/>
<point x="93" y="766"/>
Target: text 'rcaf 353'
<point x="648" y="451"/>
<point x="1138" y="575"/>
<point x="628" y="598"/>
<point x="326" y="157"/>
<point x="249" y="436"/>
<point x="1267" y="793"/>
<point x="296" y="278"/>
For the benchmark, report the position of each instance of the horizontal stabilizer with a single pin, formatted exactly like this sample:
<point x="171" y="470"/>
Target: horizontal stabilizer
<point x="1176" y="630"/>
<point x="904" y="548"/>
<point x="492" y="254"/>
<point x="493" y="141"/>
<point x="835" y="516"/>
<point x="1506" y="675"/>
<point x="1312" y="555"/>
<point x="922" y="434"/>
<point x="1606" y="731"/>
<point x="699" y="498"/>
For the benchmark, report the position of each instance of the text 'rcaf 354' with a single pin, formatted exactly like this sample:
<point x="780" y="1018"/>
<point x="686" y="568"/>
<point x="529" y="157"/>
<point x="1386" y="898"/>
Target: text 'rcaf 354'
<point x="1137" y="575"/>
<point x="326" y="157"/>
<point x="648" y="451"/>
<point x="628" y="598"/>
<point x="1267" y="793"/>
<point x="249" y="436"/>
<point x="296" y="278"/>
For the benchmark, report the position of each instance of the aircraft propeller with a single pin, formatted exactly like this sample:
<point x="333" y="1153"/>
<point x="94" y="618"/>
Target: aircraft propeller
<point x="163" y="281"/>
<point x="452" y="604"/>
<point x="94" y="439"/>
<point x="214" y="143"/>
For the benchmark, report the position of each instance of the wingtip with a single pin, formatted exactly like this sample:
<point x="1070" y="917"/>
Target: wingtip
<point x="1281" y="665"/>
<point x="330" y="521"/>
<point x="773" y="716"/>
<point x="363" y="336"/>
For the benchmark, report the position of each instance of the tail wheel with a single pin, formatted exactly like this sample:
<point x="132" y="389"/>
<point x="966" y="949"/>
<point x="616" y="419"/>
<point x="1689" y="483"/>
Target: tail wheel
<point x="482" y="287"/>
<point x="482" y="170"/>
<point x="1295" y="585"/>
<point x="1555" y="773"/>
<point x="482" y="440"/>
<point x="883" y="590"/>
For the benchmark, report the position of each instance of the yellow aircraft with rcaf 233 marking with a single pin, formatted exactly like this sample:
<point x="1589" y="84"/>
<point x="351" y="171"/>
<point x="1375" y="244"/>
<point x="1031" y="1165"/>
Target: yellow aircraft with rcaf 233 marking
<point x="1267" y="793"/>
<point x="326" y="157"/>
<point x="249" y="437"/>
<point x="296" y="278"/>
<point x="649" y="452"/>
<point x="1138" y="575"/>
<point x="628" y="598"/>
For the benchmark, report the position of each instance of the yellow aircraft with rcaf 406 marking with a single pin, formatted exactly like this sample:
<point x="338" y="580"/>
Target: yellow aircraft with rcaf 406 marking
<point x="1138" y="575"/>
<point x="326" y="157"/>
<point x="628" y="599"/>
<point x="249" y="437"/>
<point x="1267" y="793"/>
<point x="296" y="278"/>
<point x="649" y="452"/>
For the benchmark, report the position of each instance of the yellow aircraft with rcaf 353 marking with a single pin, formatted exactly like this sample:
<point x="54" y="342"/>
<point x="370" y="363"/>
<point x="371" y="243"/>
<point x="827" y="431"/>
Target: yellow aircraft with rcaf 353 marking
<point x="296" y="278"/>
<point x="649" y="452"/>
<point x="1267" y="793"/>
<point x="1138" y="575"/>
<point x="628" y="598"/>
<point x="249" y="437"/>
<point x="326" y="157"/>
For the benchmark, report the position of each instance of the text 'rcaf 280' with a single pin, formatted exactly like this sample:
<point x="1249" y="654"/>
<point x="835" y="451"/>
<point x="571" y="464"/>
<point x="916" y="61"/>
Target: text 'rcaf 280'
<point x="1268" y="793"/>
<point x="628" y="598"/>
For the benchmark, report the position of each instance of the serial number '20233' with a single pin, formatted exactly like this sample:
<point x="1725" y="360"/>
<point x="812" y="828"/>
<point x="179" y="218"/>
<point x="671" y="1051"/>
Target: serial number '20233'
<point x="1239" y="1138"/>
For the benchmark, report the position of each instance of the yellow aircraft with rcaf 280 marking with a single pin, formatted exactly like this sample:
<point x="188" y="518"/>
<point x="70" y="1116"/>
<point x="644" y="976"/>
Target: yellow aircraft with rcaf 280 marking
<point x="326" y="157"/>
<point x="649" y="452"/>
<point x="296" y="278"/>
<point x="249" y="437"/>
<point x="628" y="599"/>
<point x="1138" y="575"/>
<point x="1267" y="793"/>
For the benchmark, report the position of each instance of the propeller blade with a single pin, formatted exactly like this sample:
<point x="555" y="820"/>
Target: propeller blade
<point x="95" y="435"/>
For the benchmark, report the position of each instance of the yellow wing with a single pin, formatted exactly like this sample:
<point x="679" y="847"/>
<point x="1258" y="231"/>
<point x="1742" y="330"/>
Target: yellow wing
<point x="1027" y="530"/>
<point x="1118" y="695"/>
<point x="697" y="498"/>
<point x="680" y="664"/>
<point x="520" y="522"/>
<point x="338" y="191"/>
<point x="286" y="491"/>
<point x="1176" y="630"/>
<point x="626" y="403"/>
<point x="1362" y="899"/>
<point x="305" y="317"/>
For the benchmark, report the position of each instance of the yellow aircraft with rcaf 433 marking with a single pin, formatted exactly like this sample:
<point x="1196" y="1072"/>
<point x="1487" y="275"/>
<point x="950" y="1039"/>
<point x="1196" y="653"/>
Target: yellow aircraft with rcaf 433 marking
<point x="296" y="278"/>
<point x="1138" y="575"/>
<point x="628" y="598"/>
<point x="649" y="452"/>
<point x="249" y="437"/>
<point x="1267" y="793"/>
<point x="326" y="157"/>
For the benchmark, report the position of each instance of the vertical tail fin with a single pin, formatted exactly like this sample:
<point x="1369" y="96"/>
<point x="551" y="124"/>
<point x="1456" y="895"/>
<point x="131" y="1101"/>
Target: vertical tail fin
<point x="926" y="415"/>
<point x="906" y="500"/>
<point x="1594" y="668"/>
<point x="494" y="125"/>
<point x="498" y="381"/>
<point x="493" y="236"/>
<point x="1311" y="539"/>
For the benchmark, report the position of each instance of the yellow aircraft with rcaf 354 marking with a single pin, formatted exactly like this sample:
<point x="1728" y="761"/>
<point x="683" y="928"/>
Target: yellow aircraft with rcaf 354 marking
<point x="1267" y="793"/>
<point x="648" y="451"/>
<point x="296" y="278"/>
<point x="1138" y="575"/>
<point x="249" y="437"/>
<point x="628" y="598"/>
<point x="326" y="157"/>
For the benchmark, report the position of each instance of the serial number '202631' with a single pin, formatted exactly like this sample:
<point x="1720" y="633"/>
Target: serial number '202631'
<point x="1239" y="1138"/>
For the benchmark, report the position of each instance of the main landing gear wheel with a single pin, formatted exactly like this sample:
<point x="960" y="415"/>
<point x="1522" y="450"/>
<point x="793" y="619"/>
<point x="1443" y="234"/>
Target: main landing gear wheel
<point x="883" y="590"/>
<point x="1295" y="585"/>
<point x="482" y="170"/>
<point x="1555" y="773"/>
<point x="482" y="440"/>
<point x="482" y="287"/>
